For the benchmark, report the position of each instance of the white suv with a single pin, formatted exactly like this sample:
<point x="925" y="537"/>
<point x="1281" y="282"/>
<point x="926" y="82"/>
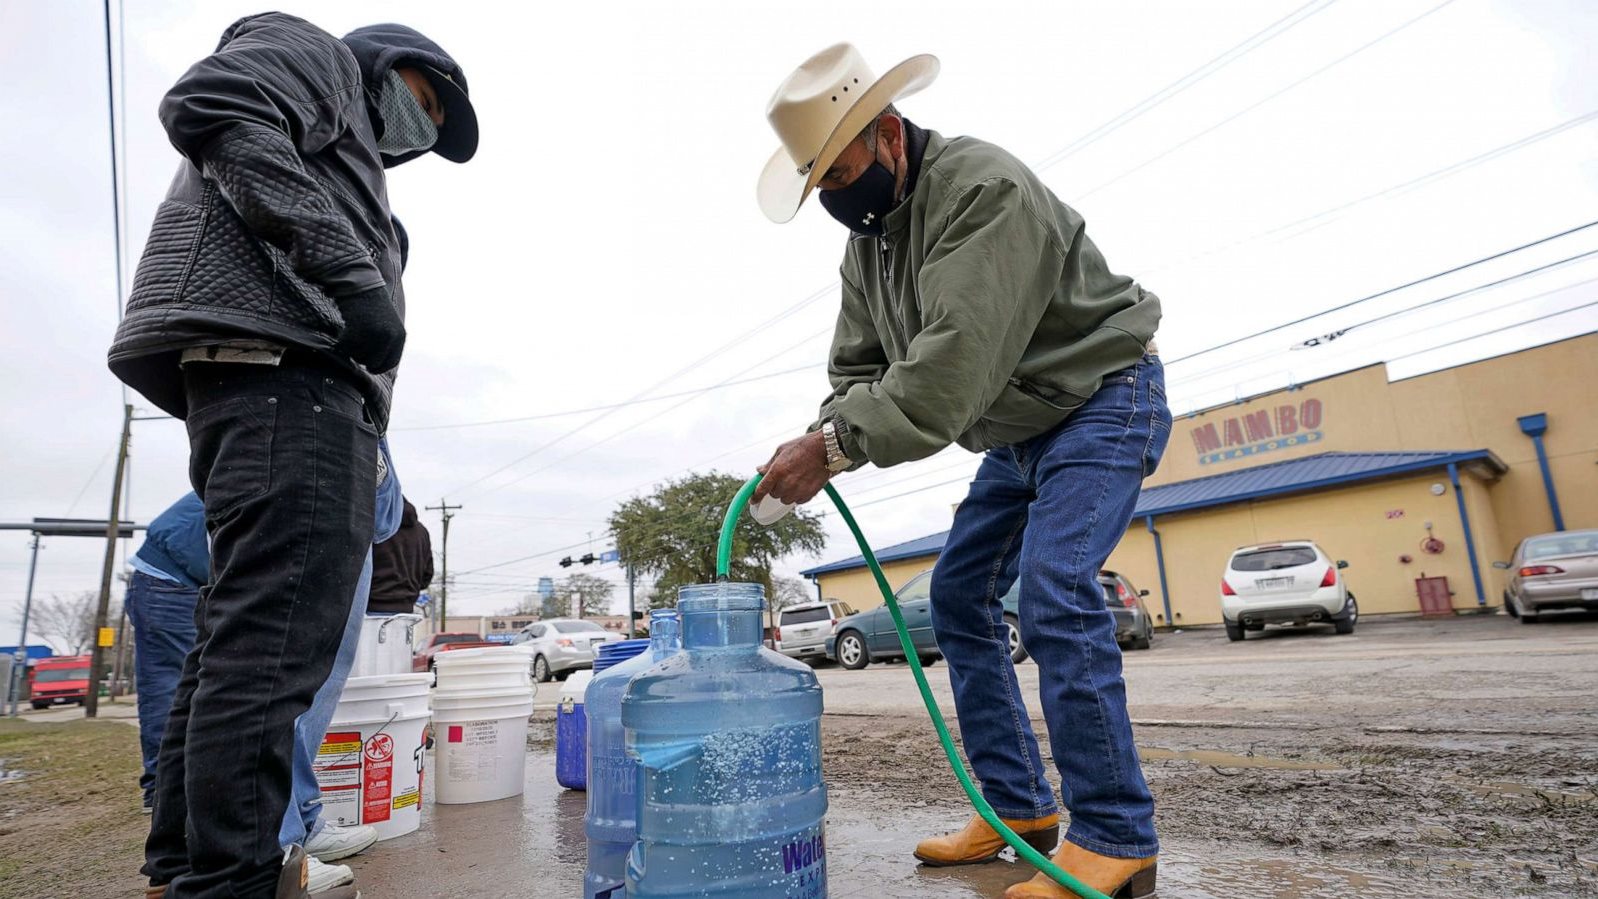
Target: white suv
<point x="1293" y="582"/>
<point x="802" y="630"/>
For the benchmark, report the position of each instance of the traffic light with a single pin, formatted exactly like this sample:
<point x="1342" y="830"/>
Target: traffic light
<point x="566" y="562"/>
<point x="589" y="559"/>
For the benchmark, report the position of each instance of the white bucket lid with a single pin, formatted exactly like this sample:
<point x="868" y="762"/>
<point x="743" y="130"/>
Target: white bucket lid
<point x="522" y="702"/>
<point x="381" y="686"/>
<point x="480" y="654"/>
<point x="498" y="691"/>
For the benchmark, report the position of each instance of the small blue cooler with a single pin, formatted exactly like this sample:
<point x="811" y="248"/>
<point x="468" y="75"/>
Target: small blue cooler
<point x="571" y="721"/>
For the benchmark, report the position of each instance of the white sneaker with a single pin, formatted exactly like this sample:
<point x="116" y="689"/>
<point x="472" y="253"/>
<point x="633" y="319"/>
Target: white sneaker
<point x="334" y="842"/>
<point x="320" y="877"/>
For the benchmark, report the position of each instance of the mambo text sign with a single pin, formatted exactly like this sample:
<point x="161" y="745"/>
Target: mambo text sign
<point x="1258" y="432"/>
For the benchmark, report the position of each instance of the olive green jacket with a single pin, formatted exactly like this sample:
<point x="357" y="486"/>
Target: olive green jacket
<point x="985" y="316"/>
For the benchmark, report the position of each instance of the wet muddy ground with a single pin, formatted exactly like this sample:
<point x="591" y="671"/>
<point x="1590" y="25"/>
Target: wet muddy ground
<point x="1414" y="759"/>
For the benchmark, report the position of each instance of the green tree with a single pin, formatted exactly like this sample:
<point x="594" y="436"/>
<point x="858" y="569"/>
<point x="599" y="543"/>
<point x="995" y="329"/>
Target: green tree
<point x="672" y="535"/>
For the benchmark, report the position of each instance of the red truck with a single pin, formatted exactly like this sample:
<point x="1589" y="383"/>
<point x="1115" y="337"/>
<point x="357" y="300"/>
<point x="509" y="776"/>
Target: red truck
<point x="59" y="680"/>
<point x="423" y="660"/>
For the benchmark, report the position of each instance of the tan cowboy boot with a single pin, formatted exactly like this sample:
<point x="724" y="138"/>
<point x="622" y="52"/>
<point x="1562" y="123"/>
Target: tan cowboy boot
<point x="1118" y="878"/>
<point x="979" y="843"/>
<point x="155" y="892"/>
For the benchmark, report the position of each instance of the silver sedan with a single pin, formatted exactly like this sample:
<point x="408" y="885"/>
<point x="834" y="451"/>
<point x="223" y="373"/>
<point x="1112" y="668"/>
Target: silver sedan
<point x="1552" y="571"/>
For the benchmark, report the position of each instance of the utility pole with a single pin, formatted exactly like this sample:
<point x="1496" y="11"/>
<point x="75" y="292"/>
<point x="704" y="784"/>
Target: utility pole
<point x="19" y="668"/>
<point x="446" y="512"/>
<point x="91" y="703"/>
<point x="632" y="604"/>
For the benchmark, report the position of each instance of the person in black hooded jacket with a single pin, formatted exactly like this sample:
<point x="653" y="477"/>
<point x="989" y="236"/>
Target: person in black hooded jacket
<point x="402" y="567"/>
<point x="267" y="312"/>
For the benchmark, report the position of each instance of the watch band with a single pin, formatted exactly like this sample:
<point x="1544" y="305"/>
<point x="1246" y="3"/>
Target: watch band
<point x="837" y="459"/>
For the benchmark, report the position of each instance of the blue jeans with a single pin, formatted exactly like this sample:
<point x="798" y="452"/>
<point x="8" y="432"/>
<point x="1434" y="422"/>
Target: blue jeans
<point x="302" y="818"/>
<point x="162" y="613"/>
<point x="1050" y="511"/>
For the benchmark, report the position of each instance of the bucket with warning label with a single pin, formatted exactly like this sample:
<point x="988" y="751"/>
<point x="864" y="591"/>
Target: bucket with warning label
<point x="370" y="763"/>
<point x="480" y="742"/>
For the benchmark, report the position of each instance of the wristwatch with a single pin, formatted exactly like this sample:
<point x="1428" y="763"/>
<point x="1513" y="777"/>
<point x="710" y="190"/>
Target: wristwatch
<point x="831" y="435"/>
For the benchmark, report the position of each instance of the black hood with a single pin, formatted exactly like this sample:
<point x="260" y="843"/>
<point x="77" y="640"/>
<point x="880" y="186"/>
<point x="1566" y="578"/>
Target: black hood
<point x="380" y="48"/>
<point x="408" y="517"/>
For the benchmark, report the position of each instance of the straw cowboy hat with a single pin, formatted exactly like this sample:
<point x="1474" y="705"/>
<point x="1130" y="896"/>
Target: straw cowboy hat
<point x="818" y="110"/>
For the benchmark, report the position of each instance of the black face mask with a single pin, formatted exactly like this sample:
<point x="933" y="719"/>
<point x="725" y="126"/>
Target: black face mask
<point x="862" y="206"/>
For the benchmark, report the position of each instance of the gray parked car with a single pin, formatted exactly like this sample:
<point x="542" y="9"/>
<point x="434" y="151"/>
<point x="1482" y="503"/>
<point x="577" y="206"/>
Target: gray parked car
<point x="1552" y="571"/>
<point x="867" y="637"/>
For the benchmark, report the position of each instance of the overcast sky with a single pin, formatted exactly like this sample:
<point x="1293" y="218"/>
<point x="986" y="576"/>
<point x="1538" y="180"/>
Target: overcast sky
<point x="605" y="243"/>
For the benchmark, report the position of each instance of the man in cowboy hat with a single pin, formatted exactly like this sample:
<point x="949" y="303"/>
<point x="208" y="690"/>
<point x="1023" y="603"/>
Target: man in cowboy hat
<point x="268" y="314"/>
<point x="977" y="311"/>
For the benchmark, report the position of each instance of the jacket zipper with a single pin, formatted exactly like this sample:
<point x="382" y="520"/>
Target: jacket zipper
<point x="893" y="313"/>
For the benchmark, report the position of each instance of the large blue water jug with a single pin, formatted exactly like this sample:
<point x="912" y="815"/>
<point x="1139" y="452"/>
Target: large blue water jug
<point x="611" y="823"/>
<point x="727" y="734"/>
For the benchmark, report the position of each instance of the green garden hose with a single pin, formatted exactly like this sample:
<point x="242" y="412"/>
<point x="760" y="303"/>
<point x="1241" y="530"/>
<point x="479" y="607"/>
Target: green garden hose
<point x="1032" y="856"/>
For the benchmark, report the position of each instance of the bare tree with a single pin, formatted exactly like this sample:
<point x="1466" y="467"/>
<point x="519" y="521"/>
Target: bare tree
<point x="67" y="621"/>
<point x="530" y="604"/>
<point x="789" y="591"/>
<point x="594" y="591"/>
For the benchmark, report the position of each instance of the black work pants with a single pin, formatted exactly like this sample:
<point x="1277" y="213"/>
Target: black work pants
<point x="285" y="461"/>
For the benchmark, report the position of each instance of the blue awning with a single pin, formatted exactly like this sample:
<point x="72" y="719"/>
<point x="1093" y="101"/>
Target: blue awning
<point x="1316" y="472"/>
<point x="1310" y="473"/>
<point x="929" y="545"/>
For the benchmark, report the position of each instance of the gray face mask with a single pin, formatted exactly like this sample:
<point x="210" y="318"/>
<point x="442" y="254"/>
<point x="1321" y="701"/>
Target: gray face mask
<point x="406" y="125"/>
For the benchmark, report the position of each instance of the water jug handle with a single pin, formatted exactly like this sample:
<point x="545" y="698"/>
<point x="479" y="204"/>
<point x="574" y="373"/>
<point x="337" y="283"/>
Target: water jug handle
<point x="666" y="756"/>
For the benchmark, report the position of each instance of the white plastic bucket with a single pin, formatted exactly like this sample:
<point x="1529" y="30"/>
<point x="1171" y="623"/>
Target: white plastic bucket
<point x="385" y="646"/>
<point x="480" y="738"/>
<point x="489" y="668"/>
<point x="370" y="764"/>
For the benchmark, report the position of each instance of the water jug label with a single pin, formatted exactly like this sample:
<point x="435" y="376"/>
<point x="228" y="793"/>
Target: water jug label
<point x="804" y="861"/>
<point x="618" y="776"/>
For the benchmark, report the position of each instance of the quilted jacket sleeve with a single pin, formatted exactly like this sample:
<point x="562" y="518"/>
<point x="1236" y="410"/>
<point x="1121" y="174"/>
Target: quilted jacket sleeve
<point x="277" y="88"/>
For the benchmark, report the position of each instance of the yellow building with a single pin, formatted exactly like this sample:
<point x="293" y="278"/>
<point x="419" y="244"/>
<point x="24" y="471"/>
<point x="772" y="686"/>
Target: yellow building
<point x="1437" y="475"/>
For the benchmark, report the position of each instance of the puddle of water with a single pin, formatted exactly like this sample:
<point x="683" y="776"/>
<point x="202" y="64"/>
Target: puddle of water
<point x="8" y="773"/>
<point x="1535" y="795"/>
<point x="537" y="838"/>
<point x="1232" y="760"/>
<point x="1213" y="873"/>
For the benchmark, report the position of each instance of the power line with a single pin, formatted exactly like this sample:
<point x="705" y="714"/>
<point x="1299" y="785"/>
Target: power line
<point x="1397" y="313"/>
<point x="781" y="316"/>
<point x="1477" y="314"/>
<point x="661" y="414"/>
<point x="1327" y="215"/>
<point x="537" y="555"/>
<point x="722" y="385"/>
<point x="1149" y="103"/>
<point x="1382" y="293"/>
<point x="885" y="499"/>
<point x="1522" y="324"/>
<point x="1256" y="105"/>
